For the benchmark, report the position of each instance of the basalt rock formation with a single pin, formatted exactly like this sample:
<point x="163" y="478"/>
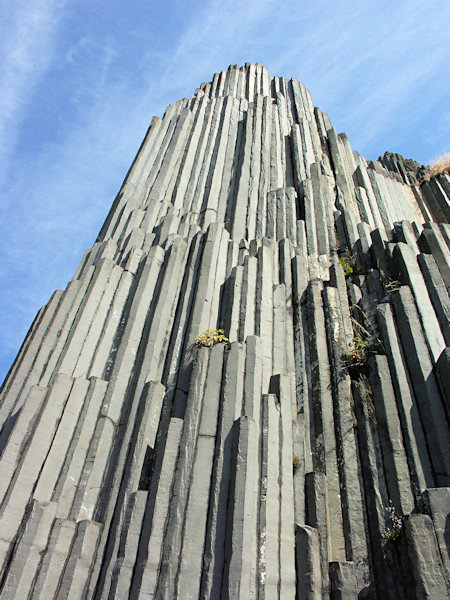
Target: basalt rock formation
<point x="306" y="458"/>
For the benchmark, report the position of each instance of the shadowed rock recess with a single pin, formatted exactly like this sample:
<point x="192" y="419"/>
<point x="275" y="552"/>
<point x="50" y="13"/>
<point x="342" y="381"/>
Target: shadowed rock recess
<point x="136" y="465"/>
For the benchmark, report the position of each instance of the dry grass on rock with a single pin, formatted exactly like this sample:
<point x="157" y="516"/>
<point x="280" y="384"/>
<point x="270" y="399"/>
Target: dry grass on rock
<point x="440" y="166"/>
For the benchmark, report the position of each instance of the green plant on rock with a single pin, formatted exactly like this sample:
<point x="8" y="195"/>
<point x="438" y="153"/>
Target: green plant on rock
<point x="210" y="337"/>
<point x="348" y="263"/>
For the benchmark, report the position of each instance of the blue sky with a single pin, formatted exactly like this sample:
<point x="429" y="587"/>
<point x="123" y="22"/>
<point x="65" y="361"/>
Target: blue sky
<point x="80" y="81"/>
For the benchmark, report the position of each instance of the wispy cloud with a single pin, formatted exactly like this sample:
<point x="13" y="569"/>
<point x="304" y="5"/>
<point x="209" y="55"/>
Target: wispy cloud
<point x="215" y="34"/>
<point x="373" y="67"/>
<point x="26" y="47"/>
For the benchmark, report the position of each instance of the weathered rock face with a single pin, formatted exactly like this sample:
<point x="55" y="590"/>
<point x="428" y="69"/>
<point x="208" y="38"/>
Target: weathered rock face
<point x="410" y="171"/>
<point x="434" y="191"/>
<point x="136" y="465"/>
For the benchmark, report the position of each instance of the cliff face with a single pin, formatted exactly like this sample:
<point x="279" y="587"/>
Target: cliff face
<point x="136" y="464"/>
<point x="435" y="191"/>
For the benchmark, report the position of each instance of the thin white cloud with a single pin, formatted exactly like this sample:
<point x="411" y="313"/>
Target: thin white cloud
<point x="368" y="66"/>
<point x="214" y="37"/>
<point x="25" y="53"/>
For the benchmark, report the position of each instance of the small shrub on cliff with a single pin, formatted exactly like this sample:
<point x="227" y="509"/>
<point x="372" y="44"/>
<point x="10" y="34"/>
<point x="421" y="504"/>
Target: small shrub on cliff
<point x="296" y="462"/>
<point x="210" y="337"/>
<point x="348" y="263"/>
<point x="357" y="355"/>
<point x="365" y="343"/>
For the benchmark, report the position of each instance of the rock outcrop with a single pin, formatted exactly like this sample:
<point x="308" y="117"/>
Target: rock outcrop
<point x="136" y="464"/>
<point x="408" y="169"/>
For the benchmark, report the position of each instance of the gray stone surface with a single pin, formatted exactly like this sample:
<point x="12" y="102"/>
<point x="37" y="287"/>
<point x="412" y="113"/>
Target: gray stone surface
<point x="420" y="469"/>
<point x="391" y="440"/>
<point x="126" y="557"/>
<point x="59" y="542"/>
<point x="325" y="451"/>
<point x="443" y="376"/>
<point x="316" y="499"/>
<point x="384" y="562"/>
<point x="437" y="292"/>
<point x="136" y="464"/>
<point x="29" y="547"/>
<point x="269" y="510"/>
<point x="309" y="579"/>
<point x="352" y="494"/>
<point x="422" y="559"/>
<point x="343" y="581"/>
<point x="240" y="564"/>
<point x="407" y="270"/>
<point x="432" y="242"/>
<point x="437" y="503"/>
<point x="424" y="382"/>
<point x="75" y="576"/>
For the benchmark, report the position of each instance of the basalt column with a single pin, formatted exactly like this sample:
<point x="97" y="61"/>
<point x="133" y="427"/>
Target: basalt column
<point x="305" y="458"/>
